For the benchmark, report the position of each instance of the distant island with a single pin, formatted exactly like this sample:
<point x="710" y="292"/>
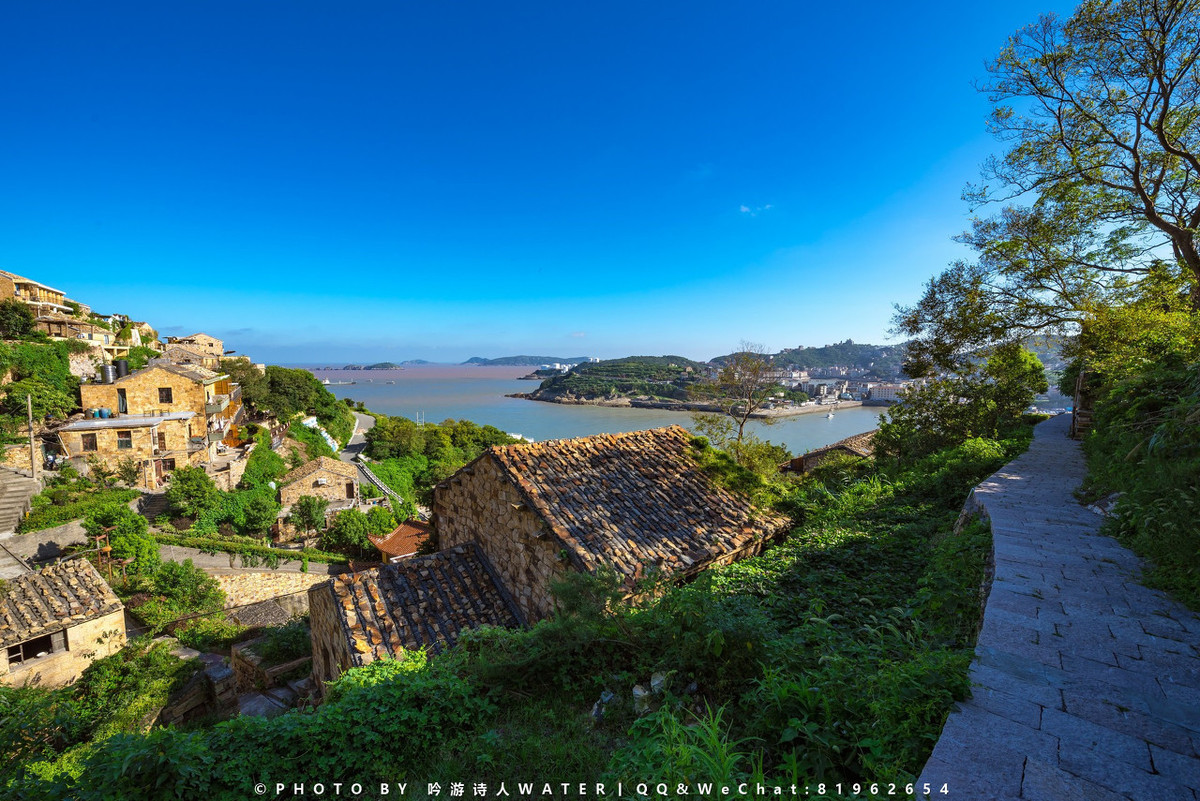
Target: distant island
<point x="525" y="361"/>
<point x="383" y="365"/>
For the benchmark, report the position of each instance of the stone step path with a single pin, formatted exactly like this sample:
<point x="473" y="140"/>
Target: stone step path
<point x="1086" y="684"/>
<point x="15" y="491"/>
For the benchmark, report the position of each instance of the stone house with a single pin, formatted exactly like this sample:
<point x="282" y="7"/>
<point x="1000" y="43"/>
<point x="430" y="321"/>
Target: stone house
<point x="628" y="501"/>
<point x="403" y="541"/>
<point x="334" y="480"/>
<point x="162" y="388"/>
<point x="103" y="341"/>
<point x="43" y="299"/>
<point x="200" y="343"/>
<point x="178" y="354"/>
<point x="860" y="445"/>
<point x="54" y="622"/>
<point x="156" y="443"/>
<point x="357" y="618"/>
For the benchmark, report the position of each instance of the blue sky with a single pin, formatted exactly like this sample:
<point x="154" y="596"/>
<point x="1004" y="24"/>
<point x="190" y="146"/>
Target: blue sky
<point x="379" y="180"/>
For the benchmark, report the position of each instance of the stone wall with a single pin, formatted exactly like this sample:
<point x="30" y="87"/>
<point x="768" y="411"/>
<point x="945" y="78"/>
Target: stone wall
<point x="83" y="366"/>
<point x="337" y="487"/>
<point x="229" y="475"/>
<point x="330" y="645"/>
<point x="89" y="640"/>
<point x="16" y="457"/>
<point x="142" y="396"/>
<point x="248" y="588"/>
<point x="144" y="451"/>
<point x="251" y="673"/>
<point x="484" y="506"/>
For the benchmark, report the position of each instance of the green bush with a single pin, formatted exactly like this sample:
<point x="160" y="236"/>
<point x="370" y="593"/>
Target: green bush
<point x="128" y="534"/>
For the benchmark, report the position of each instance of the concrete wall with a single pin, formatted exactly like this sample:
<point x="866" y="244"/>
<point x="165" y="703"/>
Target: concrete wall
<point x="485" y="507"/>
<point x="89" y="640"/>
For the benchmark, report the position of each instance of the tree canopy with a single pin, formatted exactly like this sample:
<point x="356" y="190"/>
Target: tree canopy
<point x="1100" y="179"/>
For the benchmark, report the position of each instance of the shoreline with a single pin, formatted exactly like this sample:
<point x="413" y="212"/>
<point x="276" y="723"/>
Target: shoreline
<point x="683" y="406"/>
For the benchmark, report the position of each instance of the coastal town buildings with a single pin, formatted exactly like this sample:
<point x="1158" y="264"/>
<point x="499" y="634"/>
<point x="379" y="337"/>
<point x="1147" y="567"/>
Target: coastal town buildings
<point x="54" y="622"/>
<point x="156" y="443"/>
<point x="334" y="480"/>
<point x="41" y="298"/>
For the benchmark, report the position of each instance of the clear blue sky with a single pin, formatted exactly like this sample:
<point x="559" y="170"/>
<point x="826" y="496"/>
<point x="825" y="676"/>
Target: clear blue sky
<point x="321" y="181"/>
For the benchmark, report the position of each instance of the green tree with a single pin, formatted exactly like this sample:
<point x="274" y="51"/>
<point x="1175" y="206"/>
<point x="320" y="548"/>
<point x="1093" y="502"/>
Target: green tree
<point x="260" y="513"/>
<point x="192" y="491"/>
<point x="48" y="401"/>
<point x="308" y="513"/>
<point x="16" y="319"/>
<point x="350" y="531"/>
<point x="741" y="388"/>
<point x="1100" y="113"/>
<point x="128" y="534"/>
<point x="128" y="471"/>
<point x="380" y="520"/>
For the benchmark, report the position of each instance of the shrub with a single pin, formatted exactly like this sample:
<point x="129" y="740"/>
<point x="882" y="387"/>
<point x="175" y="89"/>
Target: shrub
<point x="128" y="534"/>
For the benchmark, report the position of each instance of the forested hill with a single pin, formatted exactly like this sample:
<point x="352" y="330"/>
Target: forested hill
<point x="653" y="376"/>
<point x="884" y="360"/>
<point x="525" y="361"/>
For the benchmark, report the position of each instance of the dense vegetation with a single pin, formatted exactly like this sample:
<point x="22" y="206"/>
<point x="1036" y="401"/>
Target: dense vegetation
<point x="412" y="458"/>
<point x="69" y="496"/>
<point x="883" y="360"/>
<point x="834" y="656"/>
<point x="665" y="377"/>
<point x="290" y="393"/>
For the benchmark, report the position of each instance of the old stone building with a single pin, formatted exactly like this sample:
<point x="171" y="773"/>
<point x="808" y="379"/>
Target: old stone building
<point x="54" y="622"/>
<point x="629" y="501"/>
<point x="860" y="445"/>
<point x="102" y="340"/>
<point x="157" y="444"/>
<point x="178" y="354"/>
<point x="200" y="343"/>
<point x="335" y="481"/>
<point x="163" y="388"/>
<point x="357" y="618"/>
<point x="43" y="299"/>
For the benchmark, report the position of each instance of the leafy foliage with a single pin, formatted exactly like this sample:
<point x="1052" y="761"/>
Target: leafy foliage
<point x="128" y="534"/>
<point x="191" y="491"/>
<point x="308" y="513"/>
<point x="16" y="319"/>
<point x="653" y="376"/>
<point x="68" y="497"/>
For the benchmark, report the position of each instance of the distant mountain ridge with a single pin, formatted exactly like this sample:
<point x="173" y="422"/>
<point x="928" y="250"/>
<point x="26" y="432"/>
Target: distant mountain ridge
<point x="525" y="361"/>
<point x="884" y="360"/>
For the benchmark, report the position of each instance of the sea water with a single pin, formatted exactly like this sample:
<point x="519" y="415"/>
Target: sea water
<point x="438" y="392"/>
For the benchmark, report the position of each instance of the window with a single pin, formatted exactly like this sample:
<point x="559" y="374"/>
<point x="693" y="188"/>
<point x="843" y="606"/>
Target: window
<point x="124" y="440"/>
<point x="164" y="395"/>
<point x="162" y="440"/>
<point x="36" y="648"/>
<point x="89" y="442"/>
<point x="168" y="465"/>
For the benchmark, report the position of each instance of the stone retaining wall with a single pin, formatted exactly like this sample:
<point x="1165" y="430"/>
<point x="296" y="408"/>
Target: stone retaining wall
<point x="248" y="588"/>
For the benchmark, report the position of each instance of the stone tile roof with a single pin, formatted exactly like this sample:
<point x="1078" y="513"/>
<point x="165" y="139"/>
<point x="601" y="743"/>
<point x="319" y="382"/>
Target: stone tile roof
<point x="404" y="540"/>
<point x="180" y="352"/>
<point x="335" y="466"/>
<point x="54" y="598"/>
<point x="421" y="602"/>
<point x="628" y="500"/>
<point x="859" y="445"/>
<point x="192" y="372"/>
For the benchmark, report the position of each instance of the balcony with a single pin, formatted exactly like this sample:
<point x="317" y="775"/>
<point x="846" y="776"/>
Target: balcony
<point x="215" y="436"/>
<point x="218" y="404"/>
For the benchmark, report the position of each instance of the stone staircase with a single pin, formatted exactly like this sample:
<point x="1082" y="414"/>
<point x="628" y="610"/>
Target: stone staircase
<point x="16" y="488"/>
<point x="153" y="504"/>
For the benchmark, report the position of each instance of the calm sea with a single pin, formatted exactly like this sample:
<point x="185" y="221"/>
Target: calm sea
<point x="439" y="392"/>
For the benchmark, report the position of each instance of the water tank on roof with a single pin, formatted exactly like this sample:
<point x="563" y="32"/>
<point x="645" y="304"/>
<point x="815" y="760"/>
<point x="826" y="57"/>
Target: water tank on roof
<point x="108" y="374"/>
<point x="122" y="366"/>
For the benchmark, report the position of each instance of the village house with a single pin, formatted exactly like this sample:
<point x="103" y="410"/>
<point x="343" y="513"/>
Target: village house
<point x="162" y="388"/>
<point x="200" y="343"/>
<point x="633" y="502"/>
<point x="426" y="602"/>
<point x="42" y="299"/>
<point x="157" y="444"/>
<point x="100" y="339"/>
<point x="54" y="622"/>
<point x="334" y="480"/>
<point x="403" y="541"/>
<point x="178" y="354"/>
<point x="859" y="445"/>
<point x="522" y="516"/>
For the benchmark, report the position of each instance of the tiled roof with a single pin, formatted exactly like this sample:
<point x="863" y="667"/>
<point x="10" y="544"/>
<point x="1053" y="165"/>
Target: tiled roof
<point x="626" y="500"/>
<point x="54" y="598"/>
<point x="190" y="371"/>
<point x="859" y="444"/>
<point x="419" y="602"/>
<point x="180" y="352"/>
<point x="335" y="466"/>
<point x="20" y="279"/>
<point x="404" y="540"/>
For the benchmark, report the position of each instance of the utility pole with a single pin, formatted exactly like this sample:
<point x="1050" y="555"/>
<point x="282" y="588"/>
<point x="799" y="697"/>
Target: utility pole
<point x="33" y="465"/>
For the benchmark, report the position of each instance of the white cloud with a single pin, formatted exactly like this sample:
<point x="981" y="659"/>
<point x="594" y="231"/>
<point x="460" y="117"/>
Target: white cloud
<point x="578" y="334"/>
<point x="756" y="210"/>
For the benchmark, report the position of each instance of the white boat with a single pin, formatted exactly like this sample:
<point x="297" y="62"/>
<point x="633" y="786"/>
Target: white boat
<point x="829" y="415"/>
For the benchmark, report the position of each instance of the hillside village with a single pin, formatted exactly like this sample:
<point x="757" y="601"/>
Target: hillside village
<point x="157" y="417"/>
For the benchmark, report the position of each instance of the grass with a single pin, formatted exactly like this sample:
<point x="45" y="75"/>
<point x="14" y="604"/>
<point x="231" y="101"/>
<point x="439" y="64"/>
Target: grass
<point x="833" y="657"/>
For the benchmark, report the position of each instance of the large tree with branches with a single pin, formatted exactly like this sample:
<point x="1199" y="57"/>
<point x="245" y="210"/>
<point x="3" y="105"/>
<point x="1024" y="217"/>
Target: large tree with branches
<point x="1101" y="180"/>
